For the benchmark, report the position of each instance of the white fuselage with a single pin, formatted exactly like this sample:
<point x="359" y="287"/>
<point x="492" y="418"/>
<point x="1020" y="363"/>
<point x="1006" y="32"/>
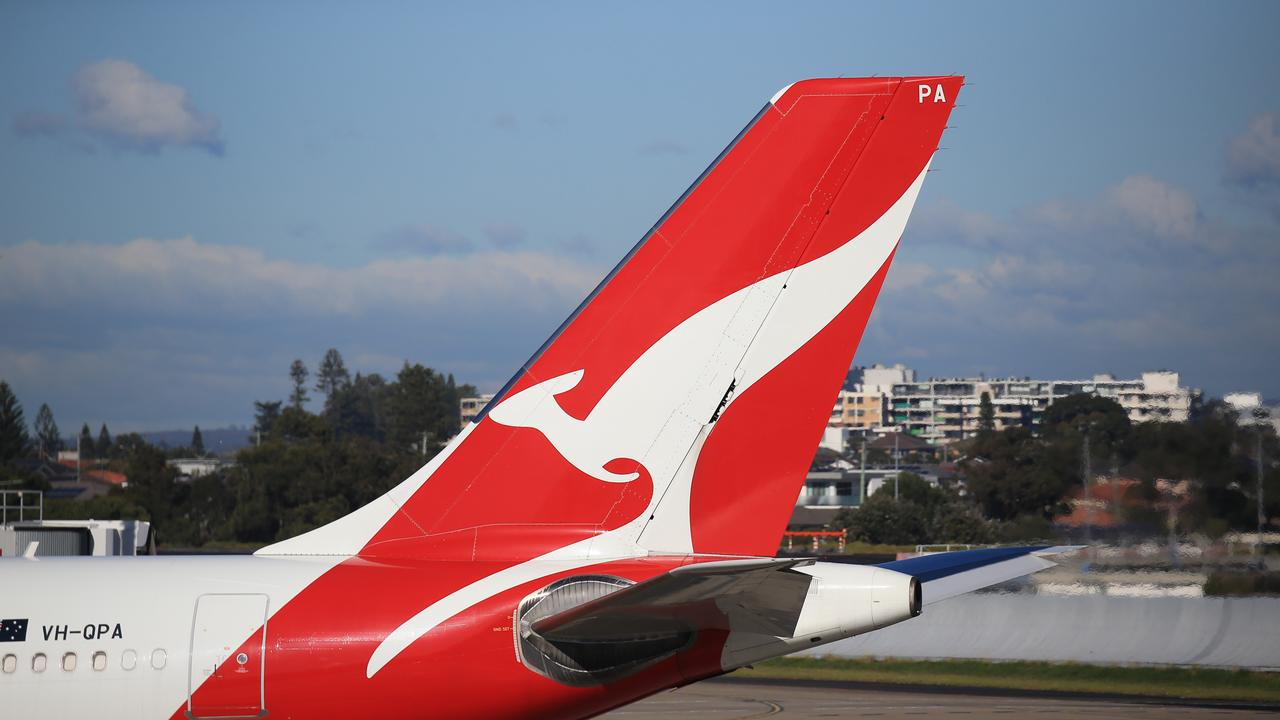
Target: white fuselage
<point x="137" y="612"/>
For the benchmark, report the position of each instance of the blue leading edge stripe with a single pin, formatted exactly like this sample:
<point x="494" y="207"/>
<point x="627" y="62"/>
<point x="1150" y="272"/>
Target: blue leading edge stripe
<point x="940" y="565"/>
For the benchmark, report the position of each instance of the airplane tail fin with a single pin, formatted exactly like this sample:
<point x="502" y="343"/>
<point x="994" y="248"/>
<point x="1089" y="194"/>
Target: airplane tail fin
<point x="678" y="408"/>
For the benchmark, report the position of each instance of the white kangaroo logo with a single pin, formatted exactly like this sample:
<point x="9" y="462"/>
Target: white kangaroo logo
<point x="536" y="407"/>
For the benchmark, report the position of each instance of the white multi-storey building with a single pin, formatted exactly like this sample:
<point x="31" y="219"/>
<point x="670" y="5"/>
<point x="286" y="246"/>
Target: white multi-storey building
<point x="947" y="409"/>
<point x="881" y="379"/>
<point x="861" y="405"/>
<point x="470" y="407"/>
<point x="1250" y="407"/>
<point x="1243" y="402"/>
<point x="858" y="409"/>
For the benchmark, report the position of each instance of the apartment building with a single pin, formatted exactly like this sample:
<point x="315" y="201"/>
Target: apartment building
<point x="856" y="409"/>
<point x="947" y="409"/>
<point x="470" y="407"/>
<point x="861" y="404"/>
<point x="1251" y="408"/>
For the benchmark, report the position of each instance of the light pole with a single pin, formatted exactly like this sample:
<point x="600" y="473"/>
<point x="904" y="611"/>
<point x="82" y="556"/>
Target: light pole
<point x="1087" y="471"/>
<point x="896" y="472"/>
<point x="1260" y="415"/>
<point x="862" y="473"/>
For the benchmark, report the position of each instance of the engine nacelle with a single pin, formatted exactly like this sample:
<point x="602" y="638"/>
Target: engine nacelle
<point x="846" y="600"/>
<point x="842" y="601"/>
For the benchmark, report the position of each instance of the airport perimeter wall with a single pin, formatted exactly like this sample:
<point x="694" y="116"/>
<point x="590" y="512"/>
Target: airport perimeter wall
<point x="1223" y="632"/>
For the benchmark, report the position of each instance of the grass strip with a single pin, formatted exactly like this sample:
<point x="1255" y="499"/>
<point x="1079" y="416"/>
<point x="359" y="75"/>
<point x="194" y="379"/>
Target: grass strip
<point x="1172" y="682"/>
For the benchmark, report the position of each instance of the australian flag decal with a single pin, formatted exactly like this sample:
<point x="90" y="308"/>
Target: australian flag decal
<point x="13" y="630"/>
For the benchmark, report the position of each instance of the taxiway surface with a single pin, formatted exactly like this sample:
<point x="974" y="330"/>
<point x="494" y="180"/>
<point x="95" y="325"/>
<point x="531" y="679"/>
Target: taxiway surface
<point x="725" y="699"/>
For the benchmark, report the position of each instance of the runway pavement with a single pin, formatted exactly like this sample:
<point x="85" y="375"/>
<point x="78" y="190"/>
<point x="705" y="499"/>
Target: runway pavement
<point x="725" y="699"/>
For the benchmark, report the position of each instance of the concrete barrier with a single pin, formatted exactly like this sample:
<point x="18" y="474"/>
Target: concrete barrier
<point x="1225" y="632"/>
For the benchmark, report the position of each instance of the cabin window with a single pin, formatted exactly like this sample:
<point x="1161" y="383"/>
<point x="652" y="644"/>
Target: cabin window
<point x="158" y="658"/>
<point x="100" y="661"/>
<point x="69" y="661"/>
<point x="128" y="659"/>
<point x="38" y="662"/>
<point x="10" y="663"/>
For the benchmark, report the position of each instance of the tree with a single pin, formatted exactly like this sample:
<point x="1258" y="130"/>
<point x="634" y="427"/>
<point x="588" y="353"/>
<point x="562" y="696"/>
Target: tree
<point x="1012" y="474"/>
<point x="359" y="408"/>
<point x="13" y="428"/>
<point x="114" y="506"/>
<point x="1072" y="410"/>
<point x="86" y="444"/>
<point x="1210" y="452"/>
<point x="308" y="469"/>
<point x="986" y="414"/>
<point x="48" y="434"/>
<point x="913" y="488"/>
<point x="421" y="403"/>
<point x="1086" y="431"/>
<point x="128" y="444"/>
<point x="295" y="424"/>
<point x="1102" y="419"/>
<point x="265" y="415"/>
<point x="298" y="373"/>
<point x="881" y="519"/>
<point x="958" y="522"/>
<point x="923" y="513"/>
<point x="151" y="480"/>
<point x="103" y="446"/>
<point x="197" y="441"/>
<point x="332" y="375"/>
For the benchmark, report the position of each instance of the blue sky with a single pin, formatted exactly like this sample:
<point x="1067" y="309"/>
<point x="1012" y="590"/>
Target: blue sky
<point x="195" y="194"/>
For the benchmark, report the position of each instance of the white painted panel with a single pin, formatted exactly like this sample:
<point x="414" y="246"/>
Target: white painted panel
<point x="222" y="623"/>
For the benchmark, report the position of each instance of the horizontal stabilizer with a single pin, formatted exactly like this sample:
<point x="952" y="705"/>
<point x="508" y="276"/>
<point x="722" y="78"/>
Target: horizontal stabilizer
<point x="758" y="607"/>
<point x="945" y="575"/>
<point x="596" y="629"/>
<point x="763" y="594"/>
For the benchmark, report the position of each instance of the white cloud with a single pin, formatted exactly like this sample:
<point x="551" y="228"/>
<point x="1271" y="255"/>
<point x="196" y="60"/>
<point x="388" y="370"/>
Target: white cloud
<point x="505" y="236"/>
<point x="1253" y="156"/>
<point x="1138" y="214"/>
<point x="947" y="220"/>
<point x="962" y="286"/>
<point x="1044" y="274"/>
<point x="422" y="239"/>
<point x="1253" y="163"/>
<point x="152" y="332"/>
<point x="122" y="105"/>
<point x="181" y="275"/>
<point x="904" y="275"/>
<point x="1155" y="207"/>
<point x="1134" y="277"/>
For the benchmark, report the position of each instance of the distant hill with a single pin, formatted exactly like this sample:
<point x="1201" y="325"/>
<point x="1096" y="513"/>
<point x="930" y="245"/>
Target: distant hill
<point x="219" y="441"/>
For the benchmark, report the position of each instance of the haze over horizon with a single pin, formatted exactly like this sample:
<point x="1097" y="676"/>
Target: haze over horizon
<point x="195" y="195"/>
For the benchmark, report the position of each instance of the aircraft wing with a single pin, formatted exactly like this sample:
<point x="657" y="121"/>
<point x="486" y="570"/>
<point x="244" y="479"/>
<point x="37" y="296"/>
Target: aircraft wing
<point x="764" y="594"/>
<point x="945" y="575"/>
<point x="768" y="596"/>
